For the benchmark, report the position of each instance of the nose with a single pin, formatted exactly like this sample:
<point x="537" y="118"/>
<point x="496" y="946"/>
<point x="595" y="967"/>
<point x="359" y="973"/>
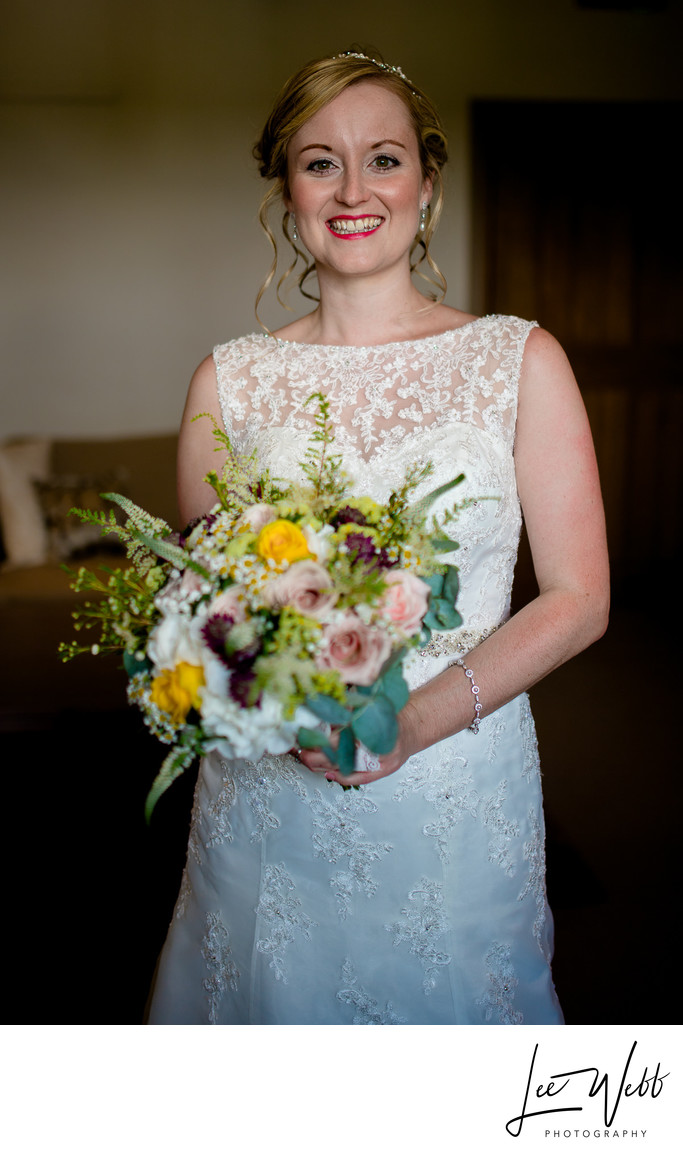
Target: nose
<point x="352" y="189"/>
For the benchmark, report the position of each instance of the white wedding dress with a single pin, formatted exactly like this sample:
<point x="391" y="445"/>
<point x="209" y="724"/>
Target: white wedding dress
<point x="419" y="898"/>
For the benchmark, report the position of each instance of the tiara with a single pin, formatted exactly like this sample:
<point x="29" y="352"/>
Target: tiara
<point x="395" y="68"/>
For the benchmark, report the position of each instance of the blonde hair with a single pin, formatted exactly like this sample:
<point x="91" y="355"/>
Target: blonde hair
<point x="312" y="88"/>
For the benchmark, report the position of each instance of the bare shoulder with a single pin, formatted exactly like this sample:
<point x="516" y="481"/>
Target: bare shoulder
<point x="196" y="443"/>
<point x="203" y="391"/>
<point x="551" y="408"/>
<point x="543" y="352"/>
<point x="546" y="370"/>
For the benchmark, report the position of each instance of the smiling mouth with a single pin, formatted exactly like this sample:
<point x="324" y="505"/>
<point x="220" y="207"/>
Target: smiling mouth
<point x="349" y="226"/>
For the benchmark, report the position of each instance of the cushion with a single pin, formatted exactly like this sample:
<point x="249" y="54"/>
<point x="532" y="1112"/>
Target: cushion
<point x="68" y="535"/>
<point x="24" y="531"/>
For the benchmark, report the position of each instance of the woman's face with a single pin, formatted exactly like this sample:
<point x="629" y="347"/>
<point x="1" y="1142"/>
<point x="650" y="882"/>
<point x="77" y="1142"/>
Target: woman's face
<point x="355" y="182"/>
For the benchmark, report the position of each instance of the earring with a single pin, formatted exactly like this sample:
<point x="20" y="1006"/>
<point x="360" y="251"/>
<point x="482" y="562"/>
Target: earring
<point x="423" y="216"/>
<point x="295" y="234"/>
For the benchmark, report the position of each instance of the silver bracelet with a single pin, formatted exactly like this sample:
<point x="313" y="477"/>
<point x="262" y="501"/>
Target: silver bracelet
<point x="474" y="725"/>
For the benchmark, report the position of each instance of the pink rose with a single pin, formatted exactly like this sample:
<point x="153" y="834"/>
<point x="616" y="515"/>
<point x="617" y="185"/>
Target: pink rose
<point x="405" y="601"/>
<point x="256" y="516"/>
<point x="305" y="586"/>
<point x="356" y="651"/>
<point x="230" y="602"/>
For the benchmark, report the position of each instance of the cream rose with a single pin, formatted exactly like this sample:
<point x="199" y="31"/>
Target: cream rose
<point x="256" y="516"/>
<point x="305" y="586"/>
<point x="230" y="602"/>
<point x="356" y="651"/>
<point x="405" y="601"/>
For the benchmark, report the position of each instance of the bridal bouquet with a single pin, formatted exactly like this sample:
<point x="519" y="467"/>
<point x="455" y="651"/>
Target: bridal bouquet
<point x="285" y="611"/>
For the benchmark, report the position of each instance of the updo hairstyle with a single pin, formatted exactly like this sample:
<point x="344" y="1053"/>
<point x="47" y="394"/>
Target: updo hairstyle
<point x="304" y="94"/>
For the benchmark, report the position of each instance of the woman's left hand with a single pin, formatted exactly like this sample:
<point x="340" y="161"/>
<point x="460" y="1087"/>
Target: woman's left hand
<point x="318" y="762"/>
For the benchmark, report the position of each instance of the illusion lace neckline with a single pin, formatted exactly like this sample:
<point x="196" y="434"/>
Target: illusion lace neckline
<point x="415" y="342"/>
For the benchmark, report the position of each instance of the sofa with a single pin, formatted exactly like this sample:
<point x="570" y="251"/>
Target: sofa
<point x="39" y="480"/>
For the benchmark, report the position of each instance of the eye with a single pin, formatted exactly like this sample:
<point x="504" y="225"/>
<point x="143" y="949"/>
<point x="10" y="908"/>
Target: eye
<point x="322" y="165"/>
<point x="385" y="163"/>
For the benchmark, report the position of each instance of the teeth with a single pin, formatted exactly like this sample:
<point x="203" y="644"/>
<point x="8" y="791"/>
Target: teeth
<point x="365" y="224"/>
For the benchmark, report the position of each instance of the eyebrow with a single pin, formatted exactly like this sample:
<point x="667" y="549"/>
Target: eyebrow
<point x="327" y="148"/>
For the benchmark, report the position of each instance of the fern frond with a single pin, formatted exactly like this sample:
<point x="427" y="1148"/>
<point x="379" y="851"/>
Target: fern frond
<point x="178" y="557"/>
<point x="141" y="520"/>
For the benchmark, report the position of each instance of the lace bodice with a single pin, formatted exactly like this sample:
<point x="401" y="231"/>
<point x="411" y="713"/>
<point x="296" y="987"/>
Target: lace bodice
<point x="451" y="398"/>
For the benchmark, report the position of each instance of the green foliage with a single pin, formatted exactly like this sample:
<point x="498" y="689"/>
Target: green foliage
<point x="323" y="470"/>
<point x="241" y="481"/>
<point x="370" y="716"/>
<point x="139" y="528"/>
<point x="179" y="758"/>
<point x="376" y="725"/>
<point x="124" y="611"/>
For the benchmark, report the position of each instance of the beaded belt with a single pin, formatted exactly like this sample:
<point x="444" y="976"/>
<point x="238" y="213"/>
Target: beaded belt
<point x="458" y="642"/>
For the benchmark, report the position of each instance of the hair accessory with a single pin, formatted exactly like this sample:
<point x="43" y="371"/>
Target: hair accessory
<point x="395" y="68"/>
<point x="474" y="725"/>
<point x="295" y="234"/>
<point x="423" y="216"/>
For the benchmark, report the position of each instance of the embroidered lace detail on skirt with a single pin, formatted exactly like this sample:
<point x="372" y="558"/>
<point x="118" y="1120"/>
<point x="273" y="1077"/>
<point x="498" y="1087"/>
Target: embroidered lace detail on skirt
<point x="280" y="910"/>
<point x="368" y="1011"/>
<point x="424" y="923"/>
<point x="261" y="782"/>
<point x="338" y="836"/>
<point x="218" y="810"/>
<point x="503" y="829"/>
<point x="498" y="1000"/>
<point x="534" y="853"/>
<point x="447" y="784"/>
<point x="223" y="974"/>
<point x="532" y="762"/>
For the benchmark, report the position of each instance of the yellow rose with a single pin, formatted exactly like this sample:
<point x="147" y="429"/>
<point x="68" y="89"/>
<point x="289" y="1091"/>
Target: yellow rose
<point x="282" y="540"/>
<point x="177" y="691"/>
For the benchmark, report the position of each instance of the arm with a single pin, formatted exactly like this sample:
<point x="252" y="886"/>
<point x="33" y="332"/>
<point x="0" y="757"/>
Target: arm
<point x="559" y="489"/>
<point x="196" y="444"/>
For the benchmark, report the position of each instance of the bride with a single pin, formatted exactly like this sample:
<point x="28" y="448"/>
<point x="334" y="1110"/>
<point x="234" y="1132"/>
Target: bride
<point x="419" y="896"/>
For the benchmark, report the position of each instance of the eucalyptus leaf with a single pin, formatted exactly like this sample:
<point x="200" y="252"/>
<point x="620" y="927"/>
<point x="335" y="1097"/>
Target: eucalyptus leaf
<point x="431" y="622"/>
<point x="327" y="709"/>
<point x="394" y="686"/>
<point x="377" y="726"/>
<point x="346" y="751"/>
<point x="440" y="545"/>
<point x="358" y="696"/>
<point x="447" y="616"/>
<point x="434" y="582"/>
<point x="133" y="666"/>
<point x="451" y="584"/>
<point x="311" y="739"/>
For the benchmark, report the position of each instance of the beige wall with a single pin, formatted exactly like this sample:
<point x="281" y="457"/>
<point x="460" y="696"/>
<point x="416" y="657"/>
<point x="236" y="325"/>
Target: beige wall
<point x="128" y="201"/>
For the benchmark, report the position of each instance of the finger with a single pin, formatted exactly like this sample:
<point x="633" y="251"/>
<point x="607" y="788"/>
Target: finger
<point x="315" y="760"/>
<point x="355" y="779"/>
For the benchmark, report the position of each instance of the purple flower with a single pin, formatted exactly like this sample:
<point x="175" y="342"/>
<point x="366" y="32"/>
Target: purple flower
<point x="348" y="515"/>
<point x="240" y="686"/>
<point x="367" y="553"/>
<point x="239" y="661"/>
<point x="216" y="632"/>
